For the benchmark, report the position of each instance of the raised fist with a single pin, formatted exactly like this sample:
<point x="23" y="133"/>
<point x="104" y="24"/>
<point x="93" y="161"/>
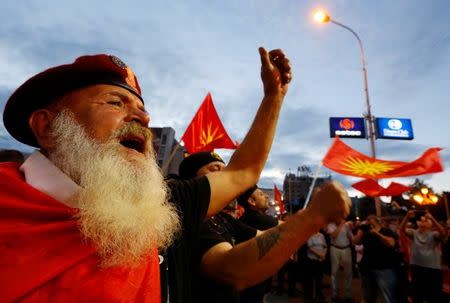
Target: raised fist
<point x="330" y="203"/>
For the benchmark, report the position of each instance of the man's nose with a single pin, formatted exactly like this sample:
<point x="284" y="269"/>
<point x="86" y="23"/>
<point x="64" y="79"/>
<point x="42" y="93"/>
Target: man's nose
<point x="139" y="115"/>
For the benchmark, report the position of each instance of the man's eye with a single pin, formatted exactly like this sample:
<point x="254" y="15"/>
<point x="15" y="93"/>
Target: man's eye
<point x="115" y="102"/>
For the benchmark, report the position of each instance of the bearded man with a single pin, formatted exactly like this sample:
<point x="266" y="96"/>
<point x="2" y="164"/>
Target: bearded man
<point x="83" y="218"/>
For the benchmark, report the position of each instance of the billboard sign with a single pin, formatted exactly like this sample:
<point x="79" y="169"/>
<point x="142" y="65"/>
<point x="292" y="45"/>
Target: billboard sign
<point x="394" y="128"/>
<point x="347" y="127"/>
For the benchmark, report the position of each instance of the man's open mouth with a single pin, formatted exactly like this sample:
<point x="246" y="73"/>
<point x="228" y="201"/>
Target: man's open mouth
<point x="136" y="142"/>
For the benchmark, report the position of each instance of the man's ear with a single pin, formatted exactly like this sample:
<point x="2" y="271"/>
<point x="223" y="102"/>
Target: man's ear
<point x="251" y="201"/>
<point x="40" y="122"/>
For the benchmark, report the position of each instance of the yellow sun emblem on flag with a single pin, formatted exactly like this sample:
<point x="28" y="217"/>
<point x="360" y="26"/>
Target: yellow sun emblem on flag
<point x="210" y="134"/>
<point x="364" y="167"/>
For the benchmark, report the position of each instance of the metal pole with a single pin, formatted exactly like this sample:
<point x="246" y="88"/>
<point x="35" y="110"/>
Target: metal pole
<point x="313" y="183"/>
<point x="368" y="115"/>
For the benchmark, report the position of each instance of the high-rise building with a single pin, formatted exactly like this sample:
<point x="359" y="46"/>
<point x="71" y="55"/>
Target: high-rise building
<point x="164" y="143"/>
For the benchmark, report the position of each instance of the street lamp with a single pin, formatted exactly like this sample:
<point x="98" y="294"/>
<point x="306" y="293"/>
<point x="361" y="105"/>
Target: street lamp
<point x="322" y="17"/>
<point x="425" y="196"/>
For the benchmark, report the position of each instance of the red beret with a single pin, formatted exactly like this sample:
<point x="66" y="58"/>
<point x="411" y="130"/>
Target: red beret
<point x="42" y="89"/>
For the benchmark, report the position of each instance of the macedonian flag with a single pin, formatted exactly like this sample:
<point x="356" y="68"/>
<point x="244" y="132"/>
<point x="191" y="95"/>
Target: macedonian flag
<point x="206" y="131"/>
<point x="371" y="188"/>
<point x="345" y="160"/>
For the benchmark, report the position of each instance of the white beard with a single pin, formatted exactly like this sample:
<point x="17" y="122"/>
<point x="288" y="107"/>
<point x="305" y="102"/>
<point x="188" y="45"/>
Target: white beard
<point x="123" y="206"/>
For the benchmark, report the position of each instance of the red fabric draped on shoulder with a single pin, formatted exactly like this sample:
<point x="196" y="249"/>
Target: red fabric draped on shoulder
<point x="43" y="257"/>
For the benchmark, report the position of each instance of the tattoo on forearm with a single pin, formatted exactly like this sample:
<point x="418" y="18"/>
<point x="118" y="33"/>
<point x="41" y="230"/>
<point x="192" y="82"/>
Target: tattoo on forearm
<point x="266" y="241"/>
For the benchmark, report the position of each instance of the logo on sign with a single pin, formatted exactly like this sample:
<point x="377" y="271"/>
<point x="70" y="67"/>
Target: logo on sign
<point x="347" y="127"/>
<point x="395" y="124"/>
<point x="394" y="128"/>
<point x="346" y="124"/>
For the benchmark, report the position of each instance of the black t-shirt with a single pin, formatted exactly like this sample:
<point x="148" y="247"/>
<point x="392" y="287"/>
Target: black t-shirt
<point x="257" y="220"/>
<point x="192" y="200"/>
<point x="262" y="222"/>
<point x="218" y="229"/>
<point x="377" y="255"/>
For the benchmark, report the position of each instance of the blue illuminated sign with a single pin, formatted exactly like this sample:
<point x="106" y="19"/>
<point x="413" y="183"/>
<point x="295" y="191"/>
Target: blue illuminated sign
<point x="394" y="128"/>
<point x="347" y="127"/>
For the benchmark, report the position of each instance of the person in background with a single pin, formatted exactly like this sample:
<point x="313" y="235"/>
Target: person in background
<point x="426" y="275"/>
<point x="341" y="256"/>
<point x="379" y="261"/>
<point x="255" y="203"/>
<point x="314" y="267"/>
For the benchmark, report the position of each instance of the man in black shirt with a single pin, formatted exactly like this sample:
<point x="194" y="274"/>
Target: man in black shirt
<point x="196" y="200"/>
<point x="379" y="262"/>
<point x="232" y="264"/>
<point x="255" y="203"/>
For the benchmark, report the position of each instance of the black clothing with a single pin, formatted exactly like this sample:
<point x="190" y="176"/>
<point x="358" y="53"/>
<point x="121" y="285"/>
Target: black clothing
<point x="192" y="201"/>
<point x="376" y="254"/>
<point x="312" y="279"/>
<point x="426" y="284"/>
<point x="218" y="229"/>
<point x="258" y="220"/>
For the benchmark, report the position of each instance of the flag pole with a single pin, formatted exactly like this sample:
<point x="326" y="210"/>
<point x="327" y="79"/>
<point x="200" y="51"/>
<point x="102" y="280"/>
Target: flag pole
<point x="166" y="164"/>
<point x="316" y="175"/>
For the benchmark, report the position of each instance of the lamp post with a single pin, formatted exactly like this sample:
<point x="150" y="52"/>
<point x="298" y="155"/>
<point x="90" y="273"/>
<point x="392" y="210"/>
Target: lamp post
<point x="322" y="17"/>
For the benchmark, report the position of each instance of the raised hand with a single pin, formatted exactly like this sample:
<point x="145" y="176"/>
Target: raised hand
<point x="330" y="203"/>
<point x="275" y="71"/>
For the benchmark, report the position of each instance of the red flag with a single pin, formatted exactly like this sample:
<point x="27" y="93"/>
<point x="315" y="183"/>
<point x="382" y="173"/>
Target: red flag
<point x="277" y="198"/>
<point x="206" y="132"/>
<point x="343" y="159"/>
<point x="371" y="188"/>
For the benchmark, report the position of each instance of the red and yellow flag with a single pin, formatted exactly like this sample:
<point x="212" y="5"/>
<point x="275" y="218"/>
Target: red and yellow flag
<point x="345" y="160"/>
<point x="206" y="131"/>
<point x="277" y="199"/>
<point x="371" y="188"/>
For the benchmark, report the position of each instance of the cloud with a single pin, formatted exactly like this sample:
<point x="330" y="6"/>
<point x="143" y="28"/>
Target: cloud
<point x="181" y="50"/>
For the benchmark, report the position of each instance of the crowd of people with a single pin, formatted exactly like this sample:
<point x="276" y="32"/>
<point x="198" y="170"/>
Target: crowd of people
<point x="89" y="217"/>
<point x="394" y="261"/>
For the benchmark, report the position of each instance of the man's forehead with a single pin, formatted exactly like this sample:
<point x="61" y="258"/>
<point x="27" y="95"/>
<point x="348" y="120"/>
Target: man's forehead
<point x="101" y="90"/>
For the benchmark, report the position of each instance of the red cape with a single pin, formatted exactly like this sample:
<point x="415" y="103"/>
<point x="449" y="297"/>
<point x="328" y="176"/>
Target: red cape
<point x="44" y="259"/>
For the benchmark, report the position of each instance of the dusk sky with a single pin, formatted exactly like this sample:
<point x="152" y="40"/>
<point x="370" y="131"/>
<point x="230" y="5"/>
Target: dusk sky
<point x="181" y="50"/>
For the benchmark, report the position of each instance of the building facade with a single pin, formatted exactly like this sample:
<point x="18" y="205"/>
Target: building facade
<point x="165" y="143"/>
<point x="296" y="188"/>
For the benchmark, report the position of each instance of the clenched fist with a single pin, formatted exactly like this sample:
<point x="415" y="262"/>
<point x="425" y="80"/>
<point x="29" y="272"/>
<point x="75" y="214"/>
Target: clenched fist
<point x="330" y="203"/>
<point x="275" y="71"/>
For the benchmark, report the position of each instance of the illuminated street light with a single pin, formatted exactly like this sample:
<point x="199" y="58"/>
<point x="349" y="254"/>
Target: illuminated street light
<point x="424" y="190"/>
<point x="323" y="17"/>
<point x="425" y="196"/>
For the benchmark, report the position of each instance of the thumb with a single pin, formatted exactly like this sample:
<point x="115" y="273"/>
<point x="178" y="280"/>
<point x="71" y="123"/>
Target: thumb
<point x="265" y="60"/>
